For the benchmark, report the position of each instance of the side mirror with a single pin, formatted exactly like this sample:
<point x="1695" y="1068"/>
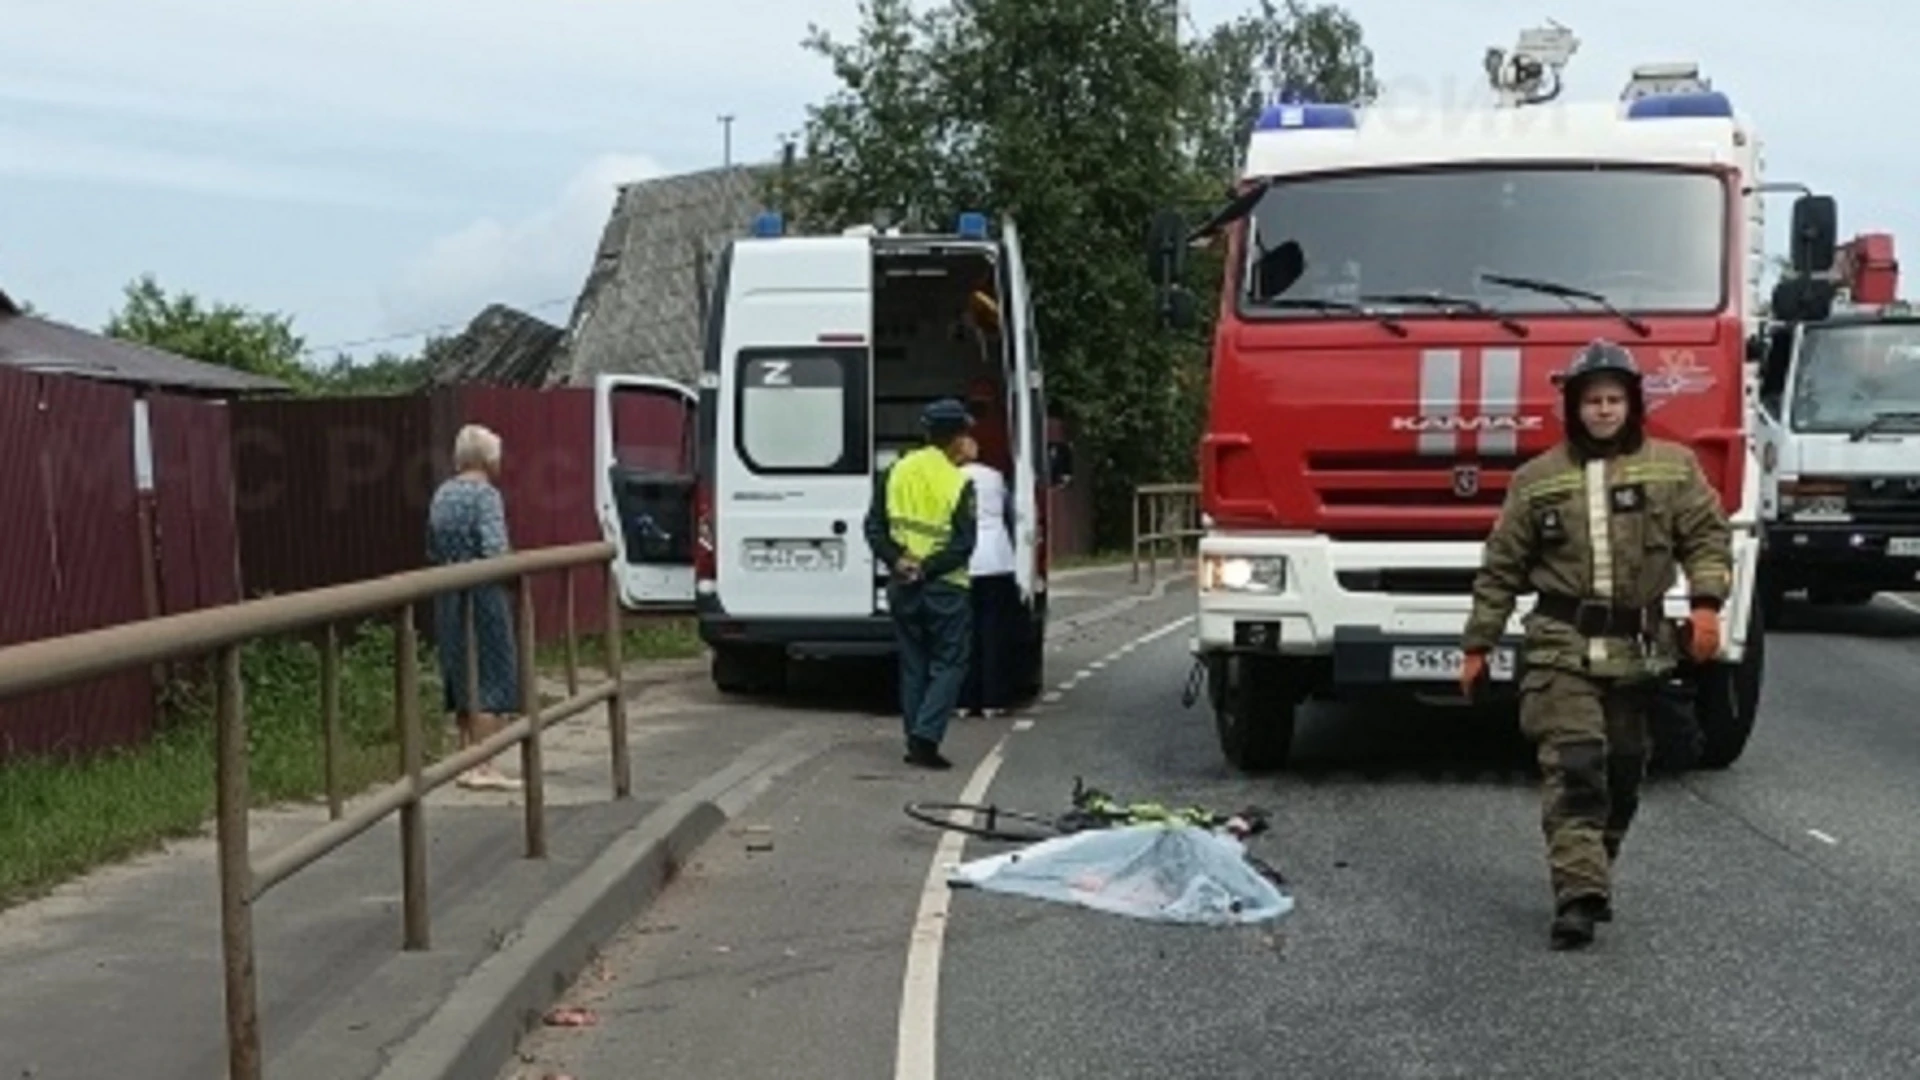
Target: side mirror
<point x="1756" y="348"/>
<point x="1178" y="308"/>
<point x="1166" y="247"/>
<point x="1278" y="269"/>
<point x="1816" y="231"/>
<point x="1059" y="464"/>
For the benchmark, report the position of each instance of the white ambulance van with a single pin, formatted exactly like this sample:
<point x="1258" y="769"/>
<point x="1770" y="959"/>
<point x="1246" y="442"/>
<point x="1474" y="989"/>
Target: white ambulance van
<point x="820" y="352"/>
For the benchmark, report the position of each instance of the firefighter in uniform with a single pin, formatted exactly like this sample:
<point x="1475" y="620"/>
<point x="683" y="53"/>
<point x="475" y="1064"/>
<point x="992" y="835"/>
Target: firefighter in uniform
<point x="1597" y="526"/>
<point x="921" y="528"/>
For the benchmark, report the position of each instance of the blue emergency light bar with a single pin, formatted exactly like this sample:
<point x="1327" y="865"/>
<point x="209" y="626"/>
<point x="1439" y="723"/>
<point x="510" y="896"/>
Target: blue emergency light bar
<point x="769" y="223"/>
<point x="973" y="225"/>
<point x="1703" y="104"/>
<point x="1307" y="116"/>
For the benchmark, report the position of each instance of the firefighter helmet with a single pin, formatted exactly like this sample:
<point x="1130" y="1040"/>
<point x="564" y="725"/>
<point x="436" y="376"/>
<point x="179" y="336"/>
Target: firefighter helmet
<point x="1597" y="356"/>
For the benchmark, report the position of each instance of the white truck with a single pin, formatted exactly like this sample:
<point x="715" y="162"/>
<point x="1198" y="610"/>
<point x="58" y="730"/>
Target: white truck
<point x="820" y="353"/>
<point x="1838" y="403"/>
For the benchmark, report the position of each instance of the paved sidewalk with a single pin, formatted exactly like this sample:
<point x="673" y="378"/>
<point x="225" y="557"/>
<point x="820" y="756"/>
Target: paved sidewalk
<point x="119" y="974"/>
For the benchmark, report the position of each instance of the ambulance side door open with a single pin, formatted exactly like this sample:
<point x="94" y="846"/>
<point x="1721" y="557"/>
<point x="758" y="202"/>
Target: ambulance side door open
<point x="644" y="464"/>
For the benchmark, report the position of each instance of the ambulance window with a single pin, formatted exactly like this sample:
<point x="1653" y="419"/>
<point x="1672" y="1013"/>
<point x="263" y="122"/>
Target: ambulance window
<point x="797" y="413"/>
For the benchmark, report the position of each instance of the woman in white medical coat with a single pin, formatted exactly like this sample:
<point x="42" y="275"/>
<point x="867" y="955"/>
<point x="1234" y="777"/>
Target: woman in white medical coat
<point x="989" y="688"/>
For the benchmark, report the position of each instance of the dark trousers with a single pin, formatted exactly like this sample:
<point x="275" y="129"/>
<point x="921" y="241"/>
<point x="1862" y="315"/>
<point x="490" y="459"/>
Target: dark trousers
<point x="933" y="623"/>
<point x="996" y="643"/>
<point x="1591" y="739"/>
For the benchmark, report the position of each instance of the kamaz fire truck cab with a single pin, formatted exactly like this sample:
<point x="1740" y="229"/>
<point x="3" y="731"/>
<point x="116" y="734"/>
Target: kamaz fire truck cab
<point x="1839" y="414"/>
<point x="1401" y="284"/>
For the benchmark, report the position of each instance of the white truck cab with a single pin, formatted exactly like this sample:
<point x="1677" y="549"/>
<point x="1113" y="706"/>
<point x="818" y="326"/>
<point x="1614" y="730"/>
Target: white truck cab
<point x="820" y="352"/>
<point x="1839" y="406"/>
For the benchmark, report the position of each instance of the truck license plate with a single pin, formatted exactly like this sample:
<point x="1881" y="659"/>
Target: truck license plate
<point x="1904" y="546"/>
<point x="1440" y="663"/>
<point x="795" y="556"/>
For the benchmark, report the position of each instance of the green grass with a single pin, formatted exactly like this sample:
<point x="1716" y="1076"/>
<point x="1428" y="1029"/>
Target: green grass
<point x="60" y="818"/>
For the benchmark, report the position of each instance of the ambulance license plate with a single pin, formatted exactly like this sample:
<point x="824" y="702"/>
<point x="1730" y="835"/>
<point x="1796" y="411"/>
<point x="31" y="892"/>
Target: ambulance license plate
<point x="795" y="556"/>
<point x="1904" y="546"/>
<point x="1441" y="663"/>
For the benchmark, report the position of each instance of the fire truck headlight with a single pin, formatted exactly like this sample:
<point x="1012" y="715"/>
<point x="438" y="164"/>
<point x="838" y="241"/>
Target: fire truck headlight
<point x="1241" y="573"/>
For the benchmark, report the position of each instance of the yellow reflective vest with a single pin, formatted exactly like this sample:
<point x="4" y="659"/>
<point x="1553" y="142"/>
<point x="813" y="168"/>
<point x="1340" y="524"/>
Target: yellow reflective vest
<point x="923" y="491"/>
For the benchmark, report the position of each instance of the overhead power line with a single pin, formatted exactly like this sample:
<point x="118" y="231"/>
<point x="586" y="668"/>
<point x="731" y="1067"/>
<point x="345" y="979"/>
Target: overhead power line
<point x="406" y="335"/>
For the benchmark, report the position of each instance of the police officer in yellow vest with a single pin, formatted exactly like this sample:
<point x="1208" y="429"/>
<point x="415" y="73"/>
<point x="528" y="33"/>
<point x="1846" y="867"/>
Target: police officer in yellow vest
<point x="921" y="528"/>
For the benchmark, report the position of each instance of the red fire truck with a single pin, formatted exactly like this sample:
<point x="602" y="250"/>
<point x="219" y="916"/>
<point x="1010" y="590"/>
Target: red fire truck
<point x="1401" y="283"/>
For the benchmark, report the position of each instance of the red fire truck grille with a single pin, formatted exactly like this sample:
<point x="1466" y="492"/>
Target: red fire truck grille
<point x="1358" y="480"/>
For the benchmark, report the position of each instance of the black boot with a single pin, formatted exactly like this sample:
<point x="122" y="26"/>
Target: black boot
<point x="1573" y="925"/>
<point x="926" y="754"/>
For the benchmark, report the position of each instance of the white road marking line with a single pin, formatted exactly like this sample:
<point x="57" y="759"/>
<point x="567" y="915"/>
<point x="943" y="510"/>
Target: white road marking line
<point x="1903" y="602"/>
<point x="1822" y="837"/>
<point x="1052" y="696"/>
<point x="1022" y="725"/>
<point x="920" y="994"/>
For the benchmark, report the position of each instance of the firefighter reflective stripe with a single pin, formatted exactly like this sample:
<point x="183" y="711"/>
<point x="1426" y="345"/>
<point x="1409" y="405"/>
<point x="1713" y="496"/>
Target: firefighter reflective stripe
<point x="1656" y="472"/>
<point x="1568" y="480"/>
<point x="923" y="491"/>
<point x="1600" y="542"/>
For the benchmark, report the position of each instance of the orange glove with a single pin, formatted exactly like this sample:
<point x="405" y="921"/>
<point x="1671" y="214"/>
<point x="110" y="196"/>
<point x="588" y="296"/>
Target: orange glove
<point x="1472" y="672"/>
<point x="1704" y="640"/>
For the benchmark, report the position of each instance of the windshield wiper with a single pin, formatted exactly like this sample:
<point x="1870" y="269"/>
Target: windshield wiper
<point x="1882" y="420"/>
<point x="1440" y="299"/>
<point x="1554" y="288"/>
<point x="1308" y="303"/>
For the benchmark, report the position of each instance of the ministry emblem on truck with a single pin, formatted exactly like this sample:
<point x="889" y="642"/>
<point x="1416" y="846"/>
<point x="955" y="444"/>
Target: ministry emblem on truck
<point x="1466" y="481"/>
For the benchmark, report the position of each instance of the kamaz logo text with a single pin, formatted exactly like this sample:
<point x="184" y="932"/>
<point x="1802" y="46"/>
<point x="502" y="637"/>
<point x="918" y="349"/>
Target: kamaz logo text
<point x="1468" y="423"/>
<point x="1470" y="392"/>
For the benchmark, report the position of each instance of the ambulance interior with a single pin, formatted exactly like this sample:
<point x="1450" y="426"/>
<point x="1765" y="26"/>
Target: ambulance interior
<point x="936" y="334"/>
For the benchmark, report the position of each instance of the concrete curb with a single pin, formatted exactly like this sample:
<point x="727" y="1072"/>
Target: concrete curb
<point x="476" y="1031"/>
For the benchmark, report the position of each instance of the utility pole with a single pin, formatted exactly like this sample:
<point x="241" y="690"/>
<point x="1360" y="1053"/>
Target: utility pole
<point x="726" y="152"/>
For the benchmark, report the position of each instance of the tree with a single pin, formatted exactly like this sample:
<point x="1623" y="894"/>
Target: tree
<point x="225" y="334"/>
<point x="258" y="343"/>
<point x="1079" y="119"/>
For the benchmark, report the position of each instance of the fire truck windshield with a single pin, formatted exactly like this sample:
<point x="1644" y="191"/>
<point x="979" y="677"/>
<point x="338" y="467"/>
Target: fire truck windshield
<point x="1651" y="241"/>
<point x="1851" y="375"/>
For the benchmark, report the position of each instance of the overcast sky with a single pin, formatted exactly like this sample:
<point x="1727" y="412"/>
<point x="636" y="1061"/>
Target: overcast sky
<point x="380" y="169"/>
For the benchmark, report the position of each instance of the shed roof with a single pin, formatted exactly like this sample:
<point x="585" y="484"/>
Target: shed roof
<point x="32" y="343"/>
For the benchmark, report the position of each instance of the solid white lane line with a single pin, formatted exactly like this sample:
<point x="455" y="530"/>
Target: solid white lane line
<point x="1822" y="837"/>
<point x="920" y="995"/>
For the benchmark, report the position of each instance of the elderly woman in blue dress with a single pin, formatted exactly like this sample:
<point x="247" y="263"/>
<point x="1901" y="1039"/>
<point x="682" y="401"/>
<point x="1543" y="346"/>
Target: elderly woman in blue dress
<point x="467" y="520"/>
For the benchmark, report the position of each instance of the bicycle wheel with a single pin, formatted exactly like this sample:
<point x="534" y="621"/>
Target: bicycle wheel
<point x="986" y="822"/>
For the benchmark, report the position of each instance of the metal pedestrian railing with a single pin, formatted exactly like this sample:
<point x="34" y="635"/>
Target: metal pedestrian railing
<point x="1164" y="514"/>
<point x="223" y="631"/>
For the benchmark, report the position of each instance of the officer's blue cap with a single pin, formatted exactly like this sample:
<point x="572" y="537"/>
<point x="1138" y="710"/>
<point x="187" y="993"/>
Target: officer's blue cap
<point x="945" y="414"/>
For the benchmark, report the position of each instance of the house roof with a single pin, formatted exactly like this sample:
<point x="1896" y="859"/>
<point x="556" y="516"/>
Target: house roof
<point x="639" y="311"/>
<point x="31" y="343"/>
<point x="503" y="346"/>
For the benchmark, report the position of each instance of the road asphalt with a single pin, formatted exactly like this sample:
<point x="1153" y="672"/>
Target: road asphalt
<point x="1764" y="921"/>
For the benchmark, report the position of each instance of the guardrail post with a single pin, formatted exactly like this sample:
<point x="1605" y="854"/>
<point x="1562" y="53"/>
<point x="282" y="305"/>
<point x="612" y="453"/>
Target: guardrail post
<point x="573" y="645"/>
<point x="617" y="704"/>
<point x="236" y="870"/>
<point x="532" y="770"/>
<point x="413" y="815"/>
<point x="1136" y="535"/>
<point x="330" y="718"/>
